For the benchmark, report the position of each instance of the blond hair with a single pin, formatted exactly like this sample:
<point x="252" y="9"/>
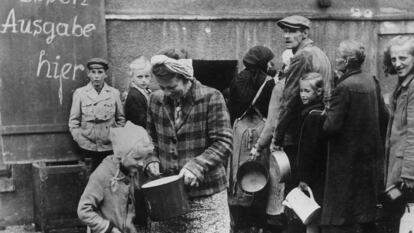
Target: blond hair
<point x="315" y="80"/>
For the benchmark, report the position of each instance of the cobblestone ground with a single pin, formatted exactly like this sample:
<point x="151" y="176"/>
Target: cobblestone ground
<point x="19" y="229"/>
<point x="31" y="229"/>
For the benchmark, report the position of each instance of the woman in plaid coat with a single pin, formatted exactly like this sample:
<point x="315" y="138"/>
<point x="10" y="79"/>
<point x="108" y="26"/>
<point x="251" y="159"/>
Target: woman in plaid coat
<point x="190" y="127"/>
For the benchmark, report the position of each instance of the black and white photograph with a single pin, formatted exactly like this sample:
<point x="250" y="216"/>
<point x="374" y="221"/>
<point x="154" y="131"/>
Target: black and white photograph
<point x="207" y="116"/>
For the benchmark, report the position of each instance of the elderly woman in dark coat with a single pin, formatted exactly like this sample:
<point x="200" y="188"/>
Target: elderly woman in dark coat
<point x="354" y="122"/>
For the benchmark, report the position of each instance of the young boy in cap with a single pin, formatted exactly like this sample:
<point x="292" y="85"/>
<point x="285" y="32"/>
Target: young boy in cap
<point x="108" y="201"/>
<point x="95" y="108"/>
<point x="136" y="103"/>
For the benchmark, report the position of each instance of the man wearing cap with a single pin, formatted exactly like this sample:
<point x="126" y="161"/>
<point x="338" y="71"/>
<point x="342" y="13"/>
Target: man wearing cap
<point x="190" y="127"/>
<point x="306" y="58"/>
<point x="95" y="108"/>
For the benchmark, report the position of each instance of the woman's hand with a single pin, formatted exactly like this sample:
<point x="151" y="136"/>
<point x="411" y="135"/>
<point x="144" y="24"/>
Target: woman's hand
<point x="254" y="152"/>
<point x="189" y="178"/>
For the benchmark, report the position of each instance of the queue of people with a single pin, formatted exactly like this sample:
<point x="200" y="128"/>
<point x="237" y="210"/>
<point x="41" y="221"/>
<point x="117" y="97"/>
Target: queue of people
<point x="341" y="140"/>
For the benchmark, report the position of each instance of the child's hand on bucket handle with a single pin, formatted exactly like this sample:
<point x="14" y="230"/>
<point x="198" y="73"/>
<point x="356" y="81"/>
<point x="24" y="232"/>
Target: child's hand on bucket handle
<point x="153" y="169"/>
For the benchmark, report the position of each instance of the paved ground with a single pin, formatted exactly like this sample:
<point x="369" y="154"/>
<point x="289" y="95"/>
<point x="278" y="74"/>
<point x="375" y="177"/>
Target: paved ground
<point x="19" y="229"/>
<point x="31" y="229"/>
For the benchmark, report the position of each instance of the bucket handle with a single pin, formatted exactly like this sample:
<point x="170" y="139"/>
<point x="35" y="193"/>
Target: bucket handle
<point x="149" y="206"/>
<point x="310" y="193"/>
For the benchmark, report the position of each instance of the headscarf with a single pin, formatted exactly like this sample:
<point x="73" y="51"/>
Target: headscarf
<point x="180" y="66"/>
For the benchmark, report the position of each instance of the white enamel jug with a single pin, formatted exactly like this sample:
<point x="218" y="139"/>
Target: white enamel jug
<point x="305" y="207"/>
<point x="407" y="220"/>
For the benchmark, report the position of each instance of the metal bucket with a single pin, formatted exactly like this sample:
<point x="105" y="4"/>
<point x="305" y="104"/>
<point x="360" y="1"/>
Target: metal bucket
<point x="165" y="198"/>
<point x="252" y="176"/>
<point x="283" y="164"/>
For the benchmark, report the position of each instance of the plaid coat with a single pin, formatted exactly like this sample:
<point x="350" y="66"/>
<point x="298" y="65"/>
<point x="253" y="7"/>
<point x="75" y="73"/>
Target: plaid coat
<point x="202" y="141"/>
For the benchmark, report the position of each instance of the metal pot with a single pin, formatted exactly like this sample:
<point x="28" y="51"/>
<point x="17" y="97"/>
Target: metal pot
<point x="252" y="176"/>
<point x="166" y="198"/>
<point x="282" y="164"/>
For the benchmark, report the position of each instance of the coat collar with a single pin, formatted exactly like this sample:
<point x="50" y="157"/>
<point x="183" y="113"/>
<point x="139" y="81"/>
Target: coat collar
<point x="407" y="80"/>
<point x="93" y="94"/>
<point x="312" y="106"/>
<point x="193" y="95"/>
<point x="90" y="87"/>
<point x="349" y="74"/>
<point x="402" y="84"/>
<point x="304" y="43"/>
<point x="144" y="92"/>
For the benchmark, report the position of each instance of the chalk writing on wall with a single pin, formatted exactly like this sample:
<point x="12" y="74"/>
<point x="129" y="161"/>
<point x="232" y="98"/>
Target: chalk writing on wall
<point x="44" y="45"/>
<point x="53" y="33"/>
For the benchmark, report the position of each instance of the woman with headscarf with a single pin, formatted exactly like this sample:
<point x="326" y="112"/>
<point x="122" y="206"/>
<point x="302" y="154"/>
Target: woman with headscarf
<point x="190" y="127"/>
<point x="245" y="85"/>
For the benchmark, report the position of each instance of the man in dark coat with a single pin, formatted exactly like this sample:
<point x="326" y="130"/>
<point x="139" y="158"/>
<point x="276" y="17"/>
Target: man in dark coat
<point x="353" y="124"/>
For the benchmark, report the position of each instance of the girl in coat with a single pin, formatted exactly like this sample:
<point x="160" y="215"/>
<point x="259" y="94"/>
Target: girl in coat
<point x="312" y="149"/>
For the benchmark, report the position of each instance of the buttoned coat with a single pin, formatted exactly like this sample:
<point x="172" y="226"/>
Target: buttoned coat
<point x="400" y="133"/>
<point x="355" y="150"/>
<point x="201" y="142"/>
<point x="92" y="114"/>
<point x="136" y="105"/>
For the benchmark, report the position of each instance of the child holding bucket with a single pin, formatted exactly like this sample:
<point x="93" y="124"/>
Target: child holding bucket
<point x="108" y="201"/>
<point x="312" y="149"/>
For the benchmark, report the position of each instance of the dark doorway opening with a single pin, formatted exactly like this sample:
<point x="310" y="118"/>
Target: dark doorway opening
<point x="215" y="73"/>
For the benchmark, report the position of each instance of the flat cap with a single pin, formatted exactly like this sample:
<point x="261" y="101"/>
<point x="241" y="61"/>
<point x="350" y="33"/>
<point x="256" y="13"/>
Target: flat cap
<point x="294" y="21"/>
<point x="97" y="63"/>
